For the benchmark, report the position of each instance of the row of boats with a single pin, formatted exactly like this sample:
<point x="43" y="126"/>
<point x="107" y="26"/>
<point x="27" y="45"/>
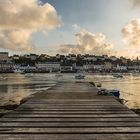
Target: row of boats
<point x="79" y="75"/>
<point x="82" y="76"/>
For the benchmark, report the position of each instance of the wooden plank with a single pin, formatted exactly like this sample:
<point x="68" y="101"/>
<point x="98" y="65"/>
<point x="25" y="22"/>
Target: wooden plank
<point x="70" y="116"/>
<point x="67" y="124"/>
<point x="96" y="98"/>
<point x="118" y="119"/>
<point x="93" y="130"/>
<point x="135" y="136"/>
<point x="95" y="105"/>
<point x="71" y="101"/>
<point x="72" y="112"/>
<point x="76" y="105"/>
<point x="70" y="109"/>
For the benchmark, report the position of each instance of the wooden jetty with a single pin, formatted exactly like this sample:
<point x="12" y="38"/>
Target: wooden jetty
<point x="70" y="111"/>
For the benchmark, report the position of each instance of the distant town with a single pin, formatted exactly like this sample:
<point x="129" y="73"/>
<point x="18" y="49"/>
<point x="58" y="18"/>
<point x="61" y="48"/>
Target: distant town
<point x="71" y="63"/>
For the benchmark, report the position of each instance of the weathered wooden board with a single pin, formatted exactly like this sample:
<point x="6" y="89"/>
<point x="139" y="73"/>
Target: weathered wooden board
<point x="71" y="115"/>
<point x="118" y="119"/>
<point x="72" y="112"/>
<point x="81" y="130"/>
<point x="67" y="124"/>
<point x="70" y="136"/>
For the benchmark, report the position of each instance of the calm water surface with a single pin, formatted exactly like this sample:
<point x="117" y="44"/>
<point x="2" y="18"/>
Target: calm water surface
<point x="14" y="87"/>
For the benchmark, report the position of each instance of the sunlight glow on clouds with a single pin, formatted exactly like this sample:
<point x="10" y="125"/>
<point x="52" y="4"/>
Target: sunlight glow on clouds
<point x="135" y="2"/>
<point x="131" y="33"/>
<point x="88" y="43"/>
<point x="19" y="19"/>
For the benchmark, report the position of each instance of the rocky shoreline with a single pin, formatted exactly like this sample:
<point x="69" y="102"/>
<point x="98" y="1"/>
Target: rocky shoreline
<point x="10" y="107"/>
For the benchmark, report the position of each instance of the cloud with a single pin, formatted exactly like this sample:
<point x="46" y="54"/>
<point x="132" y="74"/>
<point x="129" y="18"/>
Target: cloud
<point x="88" y="43"/>
<point x="131" y="33"/>
<point x="19" y="19"/>
<point x="135" y="3"/>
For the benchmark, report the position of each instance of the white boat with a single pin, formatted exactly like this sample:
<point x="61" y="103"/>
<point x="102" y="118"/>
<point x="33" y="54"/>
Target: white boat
<point x="58" y="75"/>
<point x="80" y="76"/>
<point x="2" y="78"/>
<point x="28" y="74"/>
<point x="18" y="71"/>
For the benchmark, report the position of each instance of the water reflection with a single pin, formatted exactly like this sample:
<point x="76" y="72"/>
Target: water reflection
<point x="14" y="87"/>
<point x="128" y="87"/>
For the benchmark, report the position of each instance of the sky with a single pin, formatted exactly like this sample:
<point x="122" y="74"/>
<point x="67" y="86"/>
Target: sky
<point x="70" y="26"/>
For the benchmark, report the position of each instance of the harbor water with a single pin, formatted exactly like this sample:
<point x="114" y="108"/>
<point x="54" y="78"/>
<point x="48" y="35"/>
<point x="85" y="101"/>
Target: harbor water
<point x="14" y="87"/>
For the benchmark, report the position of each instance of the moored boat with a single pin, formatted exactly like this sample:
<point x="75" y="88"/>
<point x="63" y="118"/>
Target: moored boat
<point x="18" y="71"/>
<point x="80" y="76"/>
<point x="117" y="75"/>
<point x="113" y="92"/>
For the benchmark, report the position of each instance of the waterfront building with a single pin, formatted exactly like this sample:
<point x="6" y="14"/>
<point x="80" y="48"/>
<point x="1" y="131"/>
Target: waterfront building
<point x="121" y="68"/>
<point x="48" y="66"/>
<point x="4" y="56"/>
<point x="67" y="68"/>
<point x="87" y="67"/>
<point x="6" y="66"/>
<point x="98" y="67"/>
<point x="134" y="67"/>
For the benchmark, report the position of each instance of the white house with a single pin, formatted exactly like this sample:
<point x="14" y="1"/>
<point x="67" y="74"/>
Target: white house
<point x="135" y="67"/>
<point x="6" y="66"/>
<point x="88" y="66"/>
<point x="98" y="67"/>
<point x="121" y="68"/>
<point x="90" y="58"/>
<point x="50" y="66"/>
<point x="4" y="56"/>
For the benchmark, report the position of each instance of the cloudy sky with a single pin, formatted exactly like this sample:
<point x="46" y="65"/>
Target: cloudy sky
<point x="70" y="26"/>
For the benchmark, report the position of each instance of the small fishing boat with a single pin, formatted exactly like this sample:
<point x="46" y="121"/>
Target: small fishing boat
<point x="29" y="75"/>
<point x="80" y="76"/>
<point x="58" y="74"/>
<point x="113" y="92"/>
<point x="18" y="71"/>
<point x="118" y="76"/>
